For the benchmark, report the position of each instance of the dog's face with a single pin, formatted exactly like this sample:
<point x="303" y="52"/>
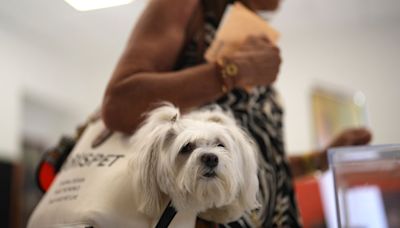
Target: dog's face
<point x="200" y="161"/>
<point x="200" y="165"/>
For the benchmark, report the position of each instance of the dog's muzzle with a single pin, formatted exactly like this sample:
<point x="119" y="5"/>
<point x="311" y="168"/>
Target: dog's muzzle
<point x="210" y="161"/>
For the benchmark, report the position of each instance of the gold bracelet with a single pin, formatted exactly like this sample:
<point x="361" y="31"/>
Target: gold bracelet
<point x="228" y="73"/>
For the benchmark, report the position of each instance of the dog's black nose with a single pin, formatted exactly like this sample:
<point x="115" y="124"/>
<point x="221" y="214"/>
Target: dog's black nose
<point x="210" y="160"/>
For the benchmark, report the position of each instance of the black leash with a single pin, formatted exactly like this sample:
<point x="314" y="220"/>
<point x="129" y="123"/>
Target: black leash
<point x="166" y="217"/>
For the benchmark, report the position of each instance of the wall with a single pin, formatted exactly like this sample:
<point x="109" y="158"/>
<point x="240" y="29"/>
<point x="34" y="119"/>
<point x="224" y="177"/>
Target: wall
<point x="33" y="73"/>
<point x="353" y="46"/>
<point x="9" y="105"/>
<point x="362" y="60"/>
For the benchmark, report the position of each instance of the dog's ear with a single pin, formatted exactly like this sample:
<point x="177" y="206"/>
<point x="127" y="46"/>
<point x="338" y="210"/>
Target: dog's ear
<point x="143" y="166"/>
<point x="249" y="157"/>
<point x="149" y="141"/>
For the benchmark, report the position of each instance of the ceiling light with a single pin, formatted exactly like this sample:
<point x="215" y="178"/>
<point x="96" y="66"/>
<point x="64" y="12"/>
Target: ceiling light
<point x="85" y="5"/>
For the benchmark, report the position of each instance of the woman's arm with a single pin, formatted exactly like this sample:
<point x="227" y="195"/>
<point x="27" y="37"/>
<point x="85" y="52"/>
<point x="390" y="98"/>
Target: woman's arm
<point x="144" y="74"/>
<point x="126" y="100"/>
<point x="305" y="164"/>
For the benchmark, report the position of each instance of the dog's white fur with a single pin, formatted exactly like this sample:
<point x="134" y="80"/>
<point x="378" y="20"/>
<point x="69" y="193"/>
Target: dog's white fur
<point x="166" y="174"/>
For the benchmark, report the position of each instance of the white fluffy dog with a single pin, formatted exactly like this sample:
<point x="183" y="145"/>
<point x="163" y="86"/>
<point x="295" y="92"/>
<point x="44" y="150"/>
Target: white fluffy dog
<point x="201" y="162"/>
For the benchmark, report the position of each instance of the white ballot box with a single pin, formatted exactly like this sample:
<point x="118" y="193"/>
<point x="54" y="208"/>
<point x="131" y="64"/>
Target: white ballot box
<point x="367" y="185"/>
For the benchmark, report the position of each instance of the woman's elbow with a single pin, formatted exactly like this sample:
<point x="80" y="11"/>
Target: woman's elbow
<point x="119" y="113"/>
<point x="113" y="114"/>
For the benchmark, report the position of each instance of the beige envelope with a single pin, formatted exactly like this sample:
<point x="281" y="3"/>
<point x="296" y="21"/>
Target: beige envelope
<point x="237" y="23"/>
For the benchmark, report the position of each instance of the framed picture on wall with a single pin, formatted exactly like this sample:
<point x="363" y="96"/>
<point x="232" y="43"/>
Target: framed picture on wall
<point x="333" y="110"/>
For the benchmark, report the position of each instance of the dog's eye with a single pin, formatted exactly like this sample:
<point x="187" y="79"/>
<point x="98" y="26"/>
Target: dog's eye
<point x="220" y="145"/>
<point x="188" y="148"/>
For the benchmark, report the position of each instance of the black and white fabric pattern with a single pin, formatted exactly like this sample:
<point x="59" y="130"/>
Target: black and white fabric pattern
<point x="260" y="113"/>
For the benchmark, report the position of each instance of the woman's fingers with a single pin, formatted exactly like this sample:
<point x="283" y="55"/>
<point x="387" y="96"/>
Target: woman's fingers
<point x="352" y="137"/>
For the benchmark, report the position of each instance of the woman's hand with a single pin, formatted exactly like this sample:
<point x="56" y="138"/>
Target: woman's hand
<point x="258" y="61"/>
<point x="348" y="137"/>
<point x="352" y="137"/>
<point x="318" y="160"/>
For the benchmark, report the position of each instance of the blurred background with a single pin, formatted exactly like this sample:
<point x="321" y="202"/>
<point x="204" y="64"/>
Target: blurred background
<point x="340" y="57"/>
